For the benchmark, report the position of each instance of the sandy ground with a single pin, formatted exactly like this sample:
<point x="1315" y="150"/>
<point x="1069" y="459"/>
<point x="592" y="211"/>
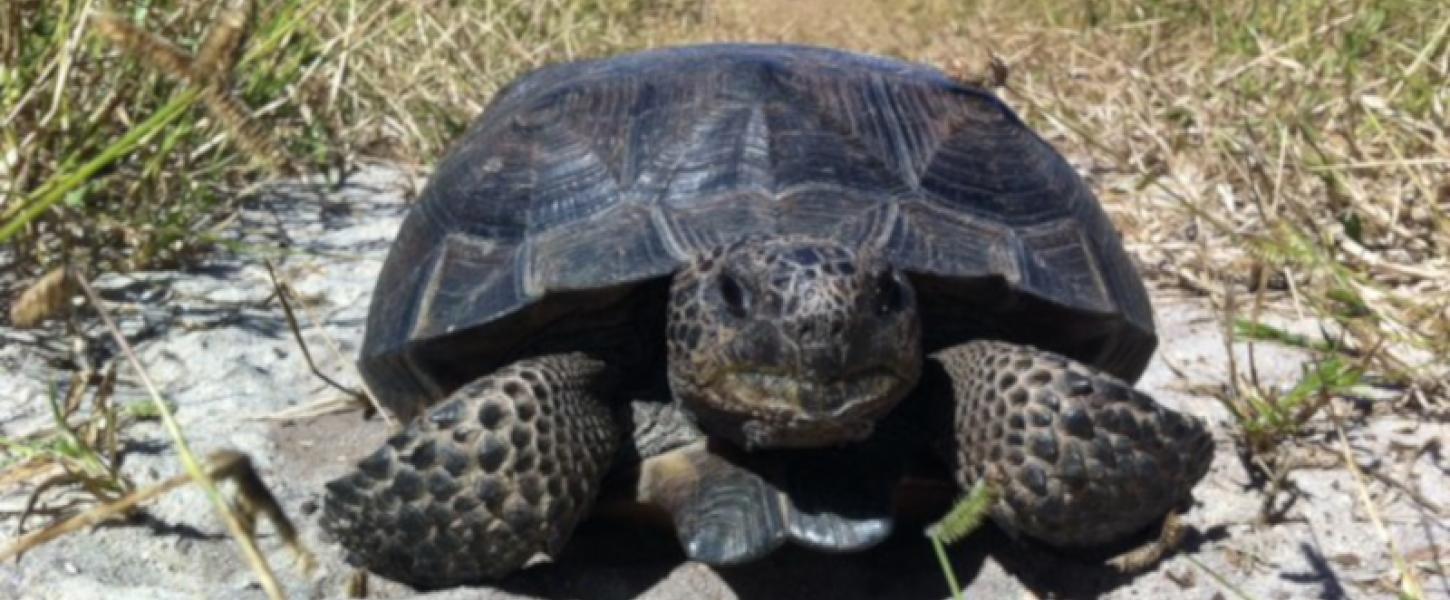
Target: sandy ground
<point x="222" y="352"/>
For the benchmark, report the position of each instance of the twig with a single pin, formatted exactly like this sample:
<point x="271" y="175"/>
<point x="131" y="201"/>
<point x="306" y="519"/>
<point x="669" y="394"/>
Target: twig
<point x="1273" y="52"/>
<point x="282" y="290"/>
<point x="1409" y="583"/>
<point x="224" y="464"/>
<point x="210" y="73"/>
<point x="189" y="462"/>
<point x="1219" y="578"/>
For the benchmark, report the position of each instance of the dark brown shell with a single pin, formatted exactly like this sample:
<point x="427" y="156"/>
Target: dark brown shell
<point x="584" y="180"/>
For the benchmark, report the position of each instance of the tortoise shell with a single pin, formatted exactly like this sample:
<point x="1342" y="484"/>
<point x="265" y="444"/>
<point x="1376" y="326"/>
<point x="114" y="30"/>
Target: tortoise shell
<point x="584" y="182"/>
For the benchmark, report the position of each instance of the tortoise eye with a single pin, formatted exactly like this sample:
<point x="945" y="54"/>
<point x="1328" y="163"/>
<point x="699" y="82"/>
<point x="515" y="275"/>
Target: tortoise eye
<point x="737" y="300"/>
<point x="890" y="297"/>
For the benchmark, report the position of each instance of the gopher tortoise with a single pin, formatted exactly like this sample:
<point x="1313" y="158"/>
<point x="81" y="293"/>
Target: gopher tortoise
<point x="753" y="288"/>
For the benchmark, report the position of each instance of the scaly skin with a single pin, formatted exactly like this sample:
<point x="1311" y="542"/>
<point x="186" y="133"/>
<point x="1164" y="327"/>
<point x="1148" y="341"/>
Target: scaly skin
<point x="499" y="472"/>
<point x="1083" y="458"/>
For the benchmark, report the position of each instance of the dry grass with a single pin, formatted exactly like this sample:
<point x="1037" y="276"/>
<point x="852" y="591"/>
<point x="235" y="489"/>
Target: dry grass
<point x="131" y="129"/>
<point x="1291" y="155"/>
<point x="1261" y="164"/>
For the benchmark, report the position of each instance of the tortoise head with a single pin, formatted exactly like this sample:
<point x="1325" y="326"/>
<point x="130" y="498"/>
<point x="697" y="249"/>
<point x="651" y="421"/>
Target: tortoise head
<point x="791" y="342"/>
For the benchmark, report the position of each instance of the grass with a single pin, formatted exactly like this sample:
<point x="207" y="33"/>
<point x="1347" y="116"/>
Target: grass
<point x="90" y="457"/>
<point x="965" y="517"/>
<point x="1276" y="158"/>
<point x="87" y="453"/>
<point x="120" y="153"/>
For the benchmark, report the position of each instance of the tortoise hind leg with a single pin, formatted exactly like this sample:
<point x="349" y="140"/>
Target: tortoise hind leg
<point x="723" y="514"/>
<point x="496" y="474"/>
<point x="843" y="498"/>
<point x="732" y="510"/>
<point x="1079" y="456"/>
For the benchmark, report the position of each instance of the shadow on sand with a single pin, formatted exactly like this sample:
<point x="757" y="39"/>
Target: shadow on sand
<point x="613" y="560"/>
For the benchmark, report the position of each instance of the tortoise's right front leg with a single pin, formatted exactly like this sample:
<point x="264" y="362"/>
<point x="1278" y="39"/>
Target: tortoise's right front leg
<point x="498" y="472"/>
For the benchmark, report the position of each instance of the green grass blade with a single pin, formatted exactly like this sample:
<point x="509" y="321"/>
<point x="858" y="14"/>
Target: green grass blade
<point x="56" y="190"/>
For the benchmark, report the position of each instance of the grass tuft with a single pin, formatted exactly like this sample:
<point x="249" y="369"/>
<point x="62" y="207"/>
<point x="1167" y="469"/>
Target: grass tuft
<point x="129" y="130"/>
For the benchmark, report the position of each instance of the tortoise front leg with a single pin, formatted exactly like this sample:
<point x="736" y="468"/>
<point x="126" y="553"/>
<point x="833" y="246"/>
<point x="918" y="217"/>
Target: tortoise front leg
<point x="496" y="474"/>
<point x="1078" y="456"/>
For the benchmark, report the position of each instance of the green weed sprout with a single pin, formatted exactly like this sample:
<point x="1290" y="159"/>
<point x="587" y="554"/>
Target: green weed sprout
<point x="964" y="518"/>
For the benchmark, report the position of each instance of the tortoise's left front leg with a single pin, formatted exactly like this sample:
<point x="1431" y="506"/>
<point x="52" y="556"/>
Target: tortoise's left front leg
<point x="1079" y="457"/>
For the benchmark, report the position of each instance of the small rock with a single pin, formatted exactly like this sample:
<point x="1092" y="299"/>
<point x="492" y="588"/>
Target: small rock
<point x="1183" y="577"/>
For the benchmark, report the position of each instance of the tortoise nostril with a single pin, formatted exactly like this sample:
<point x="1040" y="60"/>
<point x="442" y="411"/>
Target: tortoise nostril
<point x="737" y="301"/>
<point x="819" y="332"/>
<point x="890" y="297"/>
